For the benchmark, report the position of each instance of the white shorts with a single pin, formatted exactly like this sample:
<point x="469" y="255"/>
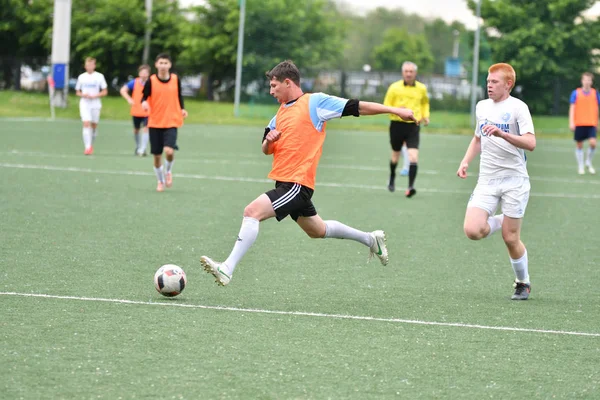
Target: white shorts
<point x="512" y="193"/>
<point x="89" y="114"/>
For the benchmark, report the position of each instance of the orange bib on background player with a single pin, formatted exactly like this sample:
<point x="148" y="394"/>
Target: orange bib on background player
<point x="136" y="94"/>
<point x="586" y="108"/>
<point x="297" y="152"/>
<point x="165" y="111"/>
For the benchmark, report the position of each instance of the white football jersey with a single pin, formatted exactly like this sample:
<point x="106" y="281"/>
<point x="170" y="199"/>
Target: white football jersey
<point x="91" y="84"/>
<point x="498" y="157"/>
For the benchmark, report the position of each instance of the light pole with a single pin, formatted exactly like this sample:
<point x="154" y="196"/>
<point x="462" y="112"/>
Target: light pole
<point x="238" y="64"/>
<point x="475" y="75"/>
<point x="148" y="33"/>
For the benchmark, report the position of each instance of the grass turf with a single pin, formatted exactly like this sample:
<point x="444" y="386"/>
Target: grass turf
<point x="93" y="227"/>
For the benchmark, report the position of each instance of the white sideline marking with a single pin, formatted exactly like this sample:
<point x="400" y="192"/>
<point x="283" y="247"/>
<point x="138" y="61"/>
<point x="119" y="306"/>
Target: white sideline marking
<point x="303" y="314"/>
<point x="260" y="180"/>
<point x="264" y="162"/>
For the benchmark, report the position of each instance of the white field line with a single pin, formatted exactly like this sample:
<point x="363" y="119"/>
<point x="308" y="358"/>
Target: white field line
<point x="265" y="162"/>
<point x="259" y="180"/>
<point x="303" y="314"/>
<point x="220" y="160"/>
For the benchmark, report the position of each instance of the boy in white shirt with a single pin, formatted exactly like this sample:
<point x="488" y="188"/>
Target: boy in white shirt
<point x="504" y="131"/>
<point x="90" y="86"/>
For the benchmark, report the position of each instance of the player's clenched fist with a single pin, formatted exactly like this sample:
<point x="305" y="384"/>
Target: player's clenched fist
<point x="273" y="136"/>
<point x="462" y="170"/>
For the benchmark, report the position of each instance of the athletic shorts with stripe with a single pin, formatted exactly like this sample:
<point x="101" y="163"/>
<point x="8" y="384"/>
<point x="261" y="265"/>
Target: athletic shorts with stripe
<point x="291" y="199"/>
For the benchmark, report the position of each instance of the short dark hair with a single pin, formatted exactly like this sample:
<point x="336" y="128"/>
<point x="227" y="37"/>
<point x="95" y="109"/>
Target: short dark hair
<point x="144" y="66"/>
<point x="163" y="56"/>
<point x="285" y="70"/>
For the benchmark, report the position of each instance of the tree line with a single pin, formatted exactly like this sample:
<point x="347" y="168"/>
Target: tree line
<point x="547" y="41"/>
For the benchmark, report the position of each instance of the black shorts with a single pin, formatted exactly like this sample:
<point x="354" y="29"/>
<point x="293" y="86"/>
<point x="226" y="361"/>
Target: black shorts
<point x="292" y="199"/>
<point x="162" y="137"/>
<point x="584" y="132"/>
<point x="404" y="132"/>
<point x="139" y="121"/>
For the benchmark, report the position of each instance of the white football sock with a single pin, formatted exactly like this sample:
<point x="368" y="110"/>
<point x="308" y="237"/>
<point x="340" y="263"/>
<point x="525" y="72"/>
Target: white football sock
<point x="145" y="138"/>
<point x="337" y="230"/>
<point x="168" y="166"/>
<point x="136" y="137"/>
<point x="94" y="134"/>
<point x="87" y="137"/>
<point x="520" y="267"/>
<point x="495" y="223"/>
<point x="405" y="160"/>
<point x="245" y="240"/>
<point x="590" y="155"/>
<point x="579" y="157"/>
<point x="159" y="174"/>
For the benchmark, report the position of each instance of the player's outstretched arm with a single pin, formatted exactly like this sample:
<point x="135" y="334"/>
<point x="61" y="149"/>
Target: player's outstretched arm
<point x="472" y="151"/>
<point x="371" y="108"/>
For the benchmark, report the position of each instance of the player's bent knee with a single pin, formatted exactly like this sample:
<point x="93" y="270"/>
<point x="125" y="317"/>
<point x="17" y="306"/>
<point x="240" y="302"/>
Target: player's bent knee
<point x="474" y="232"/>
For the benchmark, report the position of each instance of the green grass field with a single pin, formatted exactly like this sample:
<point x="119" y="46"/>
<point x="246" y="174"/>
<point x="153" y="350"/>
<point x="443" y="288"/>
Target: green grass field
<point x="302" y="319"/>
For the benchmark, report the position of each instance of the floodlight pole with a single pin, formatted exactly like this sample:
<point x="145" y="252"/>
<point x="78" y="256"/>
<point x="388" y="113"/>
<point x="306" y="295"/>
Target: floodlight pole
<point x="148" y="33"/>
<point x="238" y="64"/>
<point x="475" y="75"/>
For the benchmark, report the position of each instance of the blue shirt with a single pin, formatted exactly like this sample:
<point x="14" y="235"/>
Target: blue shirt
<point x="574" y="96"/>
<point x="322" y="108"/>
<point x="130" y="85"/>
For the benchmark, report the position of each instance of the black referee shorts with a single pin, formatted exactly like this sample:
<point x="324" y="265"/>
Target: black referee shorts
<point x="162" y="137"/>
<point x="291" y="199"/>
<point x="404" y="132"/>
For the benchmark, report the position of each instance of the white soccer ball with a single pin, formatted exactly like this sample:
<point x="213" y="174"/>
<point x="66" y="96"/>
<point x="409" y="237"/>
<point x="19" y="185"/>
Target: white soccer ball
<point x="170" y="280"/>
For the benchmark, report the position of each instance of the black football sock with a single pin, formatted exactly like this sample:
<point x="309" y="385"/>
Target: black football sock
<point x="412" y="174"/>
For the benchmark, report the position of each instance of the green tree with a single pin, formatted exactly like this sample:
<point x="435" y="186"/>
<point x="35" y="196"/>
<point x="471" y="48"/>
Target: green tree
<point x="25" y="36"/>
<point x="112" y="31"/>
<point x="399" y="46"/>
<point x="548" y="42"/>
<point x="305" y="32"/>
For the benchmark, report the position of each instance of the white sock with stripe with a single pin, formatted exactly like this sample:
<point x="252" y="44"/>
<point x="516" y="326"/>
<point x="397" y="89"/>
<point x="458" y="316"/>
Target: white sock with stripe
<point x="245" y="240"/>
<point x="168" y="166"/>
<point x="520" y="267"/>
<point x="590" y="155"/>
<point x="145" y="138"/>
<point x="159" y="174"/>
<point x="337" y="230"/>
<point x="579" y="157"/>
<point x="87" y="137"/>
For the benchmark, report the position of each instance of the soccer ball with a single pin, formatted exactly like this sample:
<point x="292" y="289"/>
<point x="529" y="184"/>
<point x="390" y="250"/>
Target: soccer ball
<point x="170" y="280"/>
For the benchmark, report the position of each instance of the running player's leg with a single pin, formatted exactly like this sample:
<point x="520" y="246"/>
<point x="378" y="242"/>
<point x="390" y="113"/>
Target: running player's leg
<point x="156" y="148"/>
<point x="258" y="210"/>
<point x="412" y="143"/>
<point x="480" y="221"/>
<point x="396" y="140"/>
<point x="95" y="119"/>
<point x="136" y="134"/>
<point x="316" y="228"/>
<point x="591" y="151"/>
<point x="86" y="119"/>
<point x="145" y="138"/>
<point x="170" y="145"/>
<point x="580" y="135"/>
<point x="515" y="197"/>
